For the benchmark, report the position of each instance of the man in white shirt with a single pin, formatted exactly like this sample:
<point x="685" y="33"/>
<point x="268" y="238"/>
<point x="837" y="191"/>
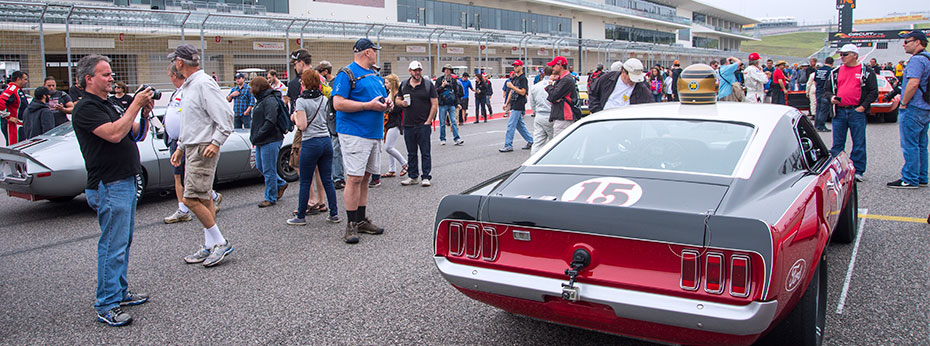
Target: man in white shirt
<point x="276" y="84"/>
<point x="542" y="127"/>
<point x="620" y="88"/>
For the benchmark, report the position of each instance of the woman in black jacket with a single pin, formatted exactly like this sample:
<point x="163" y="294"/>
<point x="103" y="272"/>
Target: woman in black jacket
<point x="482" y="96"/>
<point x="266" y="137"/>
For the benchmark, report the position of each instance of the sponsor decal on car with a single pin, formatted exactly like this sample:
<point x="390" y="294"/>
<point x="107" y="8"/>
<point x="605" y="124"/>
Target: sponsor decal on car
<point x="604" y="190"/>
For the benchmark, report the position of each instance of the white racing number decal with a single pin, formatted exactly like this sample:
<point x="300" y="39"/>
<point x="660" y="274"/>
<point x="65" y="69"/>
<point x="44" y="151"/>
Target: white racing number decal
<point x="604" y="190"/>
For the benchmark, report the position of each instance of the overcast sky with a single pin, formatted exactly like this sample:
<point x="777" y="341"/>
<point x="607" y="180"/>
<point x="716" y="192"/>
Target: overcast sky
<point x="815" y="10"/>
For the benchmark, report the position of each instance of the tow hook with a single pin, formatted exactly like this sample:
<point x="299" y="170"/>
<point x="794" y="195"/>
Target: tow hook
<point x="580" y="260"/>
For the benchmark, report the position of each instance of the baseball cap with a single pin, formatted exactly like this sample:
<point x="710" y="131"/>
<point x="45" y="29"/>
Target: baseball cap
<point x="363" y="44"/>
<point x="41" y="92"/>
<point x="415" y="65"/>
<point x="300" y="54"/>
<point x="849" y="48"/>
<point x="518" y="62"/>
<point x="918" y="34"/>
<point x="676" y="62"/>
<point x="559" y="60"/>
<point x="184" y="51"/>
<point x="635" y="68"/>
<point x="754" y="56"/>
<point x="239" y="75"/>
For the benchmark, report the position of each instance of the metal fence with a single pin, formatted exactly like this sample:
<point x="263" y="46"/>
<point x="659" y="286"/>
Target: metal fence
<point x="47" y="39"/>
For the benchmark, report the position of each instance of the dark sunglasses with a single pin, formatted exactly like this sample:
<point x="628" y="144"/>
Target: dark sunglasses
<point x="909" y="41"/>
<point x="844" y="54"/>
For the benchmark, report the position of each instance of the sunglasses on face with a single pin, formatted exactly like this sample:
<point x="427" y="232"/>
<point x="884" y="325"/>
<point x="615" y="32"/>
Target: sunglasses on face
<point x="909" y="41"/>
<point x="844" y="54"/>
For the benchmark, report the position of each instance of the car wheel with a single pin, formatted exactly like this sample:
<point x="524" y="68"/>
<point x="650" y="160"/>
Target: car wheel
<point x="285" y="170"/>
<point x="805" y="324"/>
<point x="891" y="117"/>
<point x="848" y="225"/>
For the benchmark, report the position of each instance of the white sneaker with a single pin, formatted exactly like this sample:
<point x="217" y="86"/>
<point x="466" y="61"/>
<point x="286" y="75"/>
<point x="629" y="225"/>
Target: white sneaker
<point x="442" y="142"/>
<point x="178" y="216"/>
<point x="460" y="142"/>
<point x="425" y="183"/>
<point x="410" y="181"/>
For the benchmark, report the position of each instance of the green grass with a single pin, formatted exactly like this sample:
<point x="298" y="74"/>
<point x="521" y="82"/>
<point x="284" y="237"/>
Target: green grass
<point x="797" y="44"/>
<point x="922" y="26"/>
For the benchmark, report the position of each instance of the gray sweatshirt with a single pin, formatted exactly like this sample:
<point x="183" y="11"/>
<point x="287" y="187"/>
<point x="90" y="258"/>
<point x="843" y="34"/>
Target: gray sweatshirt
<point x="206" y="117"/>
<point x="539" y="101"/>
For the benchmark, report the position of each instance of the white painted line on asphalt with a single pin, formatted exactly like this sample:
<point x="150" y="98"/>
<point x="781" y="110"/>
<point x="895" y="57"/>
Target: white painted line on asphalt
<point x="852" y="263"/>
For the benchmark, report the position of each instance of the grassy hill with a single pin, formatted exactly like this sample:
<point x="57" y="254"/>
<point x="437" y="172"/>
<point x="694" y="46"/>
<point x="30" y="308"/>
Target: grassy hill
<point x="796" y="44"/>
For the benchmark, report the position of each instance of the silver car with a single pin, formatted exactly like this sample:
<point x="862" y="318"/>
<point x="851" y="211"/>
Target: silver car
<point x="51" y="166"/>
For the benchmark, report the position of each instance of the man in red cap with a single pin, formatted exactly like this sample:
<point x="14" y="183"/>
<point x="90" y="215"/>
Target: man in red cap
<point x="518" y="86"/>
<point x="563" y="94"/>
<point x="755" y="79"/>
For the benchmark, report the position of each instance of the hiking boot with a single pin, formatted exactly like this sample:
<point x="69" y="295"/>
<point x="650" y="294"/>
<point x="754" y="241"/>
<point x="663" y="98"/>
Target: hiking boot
<point x="264" y="204"/>
<point x="114" y="317"/>
<point x="367" y="227"/>
<point x="410" y="181"/>
<point x="217" y="201"/>
<point x="281" y="191"/>
<point x="198" y="256"/>
<point x="333" y="219"/>
<point x="425" y="183"/>
<point x="179" y="216"/>
<point x="217" y="254"/>
<point x="134" y="299"/>
<point x="351" y="236"/>
<point x="296" y="221"/>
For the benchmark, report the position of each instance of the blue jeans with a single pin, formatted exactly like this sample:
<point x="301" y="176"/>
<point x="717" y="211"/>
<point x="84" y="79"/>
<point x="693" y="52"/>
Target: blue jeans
<point x="338" y="171"/>
<point x="913" y="127"/>
<point x="823" y="112"/>
<point x="657" y="97"/>
<point x="450" y="111"/>
<point x="515" y="122"/>
<point x="115" y="203"/>
<point x="849" y="118"/>
<point x="266" y="161"/>
<point x="417" y="139"/>
<point x="316" y="153"/>
<point x="242" y="122"/>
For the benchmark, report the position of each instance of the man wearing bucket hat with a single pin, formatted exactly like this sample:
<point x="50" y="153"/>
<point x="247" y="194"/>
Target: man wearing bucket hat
<point x="620" y="88"/>
<point x="450" y="92"/>
<point x="779" y="83"/>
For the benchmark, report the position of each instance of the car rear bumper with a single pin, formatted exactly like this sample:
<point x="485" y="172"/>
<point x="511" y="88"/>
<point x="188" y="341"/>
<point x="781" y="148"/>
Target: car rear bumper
<point x="699" y="315"/>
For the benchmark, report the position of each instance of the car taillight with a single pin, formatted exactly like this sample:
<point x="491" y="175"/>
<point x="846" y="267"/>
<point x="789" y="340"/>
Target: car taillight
<point x="715" y="269"/>
<point x="714" y="276"/>
<point x="473" y="240"/>
<point x="739" y="276"/>
<point x="690" y="271"/>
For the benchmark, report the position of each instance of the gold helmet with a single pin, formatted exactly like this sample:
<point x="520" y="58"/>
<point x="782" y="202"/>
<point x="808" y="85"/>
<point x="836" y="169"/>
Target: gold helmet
<point x="697" y="85"/>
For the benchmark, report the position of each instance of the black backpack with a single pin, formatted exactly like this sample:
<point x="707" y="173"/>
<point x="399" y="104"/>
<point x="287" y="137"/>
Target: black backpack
<point x="924" y="90"/>
<point x="330" y="109"/>
<point x="284" y="120"/>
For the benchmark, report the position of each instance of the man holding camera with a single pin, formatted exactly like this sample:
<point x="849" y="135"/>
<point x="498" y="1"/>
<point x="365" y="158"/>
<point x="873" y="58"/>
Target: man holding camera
<point x="360" y="100"/>
<point x="111" y="157"/>
<point x="851" y="88"/>
<point x="207" y="122"/>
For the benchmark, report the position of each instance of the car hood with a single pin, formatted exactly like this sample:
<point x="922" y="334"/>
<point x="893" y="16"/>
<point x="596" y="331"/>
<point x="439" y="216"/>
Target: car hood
<point x="54" y="152"/>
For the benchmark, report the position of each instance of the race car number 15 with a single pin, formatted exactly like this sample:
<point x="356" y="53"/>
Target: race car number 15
<point x="604" y="190"/>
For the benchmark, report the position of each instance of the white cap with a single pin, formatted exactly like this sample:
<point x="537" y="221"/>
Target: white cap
<point x="849" y="48"/>
<point x="635" y="68"/>
<point x="415" y="65"/>
<point x="616" y="66"/>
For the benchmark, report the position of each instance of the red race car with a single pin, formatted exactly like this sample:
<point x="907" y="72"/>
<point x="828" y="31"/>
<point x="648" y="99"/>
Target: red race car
<point x="881" y="110"/>
<point x="677" y="223"/>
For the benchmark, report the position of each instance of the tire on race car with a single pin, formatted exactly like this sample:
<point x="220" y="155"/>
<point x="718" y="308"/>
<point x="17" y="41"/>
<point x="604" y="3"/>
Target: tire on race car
<point x="848" y="225"/>
<point x="805" y="324"/>
<point x="891" y="117"/>
<point x="285" y="170"/>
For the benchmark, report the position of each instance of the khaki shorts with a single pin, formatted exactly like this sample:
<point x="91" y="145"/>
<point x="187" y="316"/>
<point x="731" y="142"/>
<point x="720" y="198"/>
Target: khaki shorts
<point x="360" y="155"/>
<point x="199" y="172"/>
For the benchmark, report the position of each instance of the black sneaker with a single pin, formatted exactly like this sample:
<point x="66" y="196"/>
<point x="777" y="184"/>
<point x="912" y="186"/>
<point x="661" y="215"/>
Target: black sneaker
<point x="134" y="299"/>
<point x="374" y="183"/>
<point x="339" y="184"/>
<point x="900" y="184"/>
<point x="114" y="317"/>
<point x="528" y="146"/>
<point x="824" y="129"/>
<point x="923" y="184"/>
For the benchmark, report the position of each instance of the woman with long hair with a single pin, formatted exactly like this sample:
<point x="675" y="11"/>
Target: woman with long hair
<point x="120" y="98"/>
<point x="316" y="150"/>
<point x="267" y="136"/>
<point x="392" y="129"/>
<point x="655" y="84"/>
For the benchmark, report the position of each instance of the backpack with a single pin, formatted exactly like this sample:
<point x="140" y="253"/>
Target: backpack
<point x="284" y="120"/>
<point x="450" y="94"/>
<point x="923" y="91"/>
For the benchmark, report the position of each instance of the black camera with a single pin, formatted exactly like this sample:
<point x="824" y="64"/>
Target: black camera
<point x="156" y="95"/>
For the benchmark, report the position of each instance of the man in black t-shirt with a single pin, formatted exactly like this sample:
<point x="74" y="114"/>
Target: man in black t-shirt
<point x="59" y="102"/>
<point x="301" y="60"/>
<point x="111" y="157"/>
<point x="420" y="101"/>
<point x="517" y="103"/>
<point x="76" y="92"/>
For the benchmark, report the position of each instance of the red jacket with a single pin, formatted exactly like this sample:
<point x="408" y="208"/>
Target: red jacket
<point x="10" y="95"/>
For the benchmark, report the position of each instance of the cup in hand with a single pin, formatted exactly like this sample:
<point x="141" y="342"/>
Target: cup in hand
<point x="407" y="99"/>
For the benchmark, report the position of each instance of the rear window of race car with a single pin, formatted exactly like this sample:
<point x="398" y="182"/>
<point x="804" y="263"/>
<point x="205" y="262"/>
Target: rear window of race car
<point x="709" y="147"/>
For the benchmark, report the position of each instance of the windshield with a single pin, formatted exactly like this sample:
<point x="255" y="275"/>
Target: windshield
<point x="671" y="145"/>
<point x="881" y="82"/>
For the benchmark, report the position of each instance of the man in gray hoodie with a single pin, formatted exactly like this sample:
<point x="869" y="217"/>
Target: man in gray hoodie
<point x="207" y="121"/>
